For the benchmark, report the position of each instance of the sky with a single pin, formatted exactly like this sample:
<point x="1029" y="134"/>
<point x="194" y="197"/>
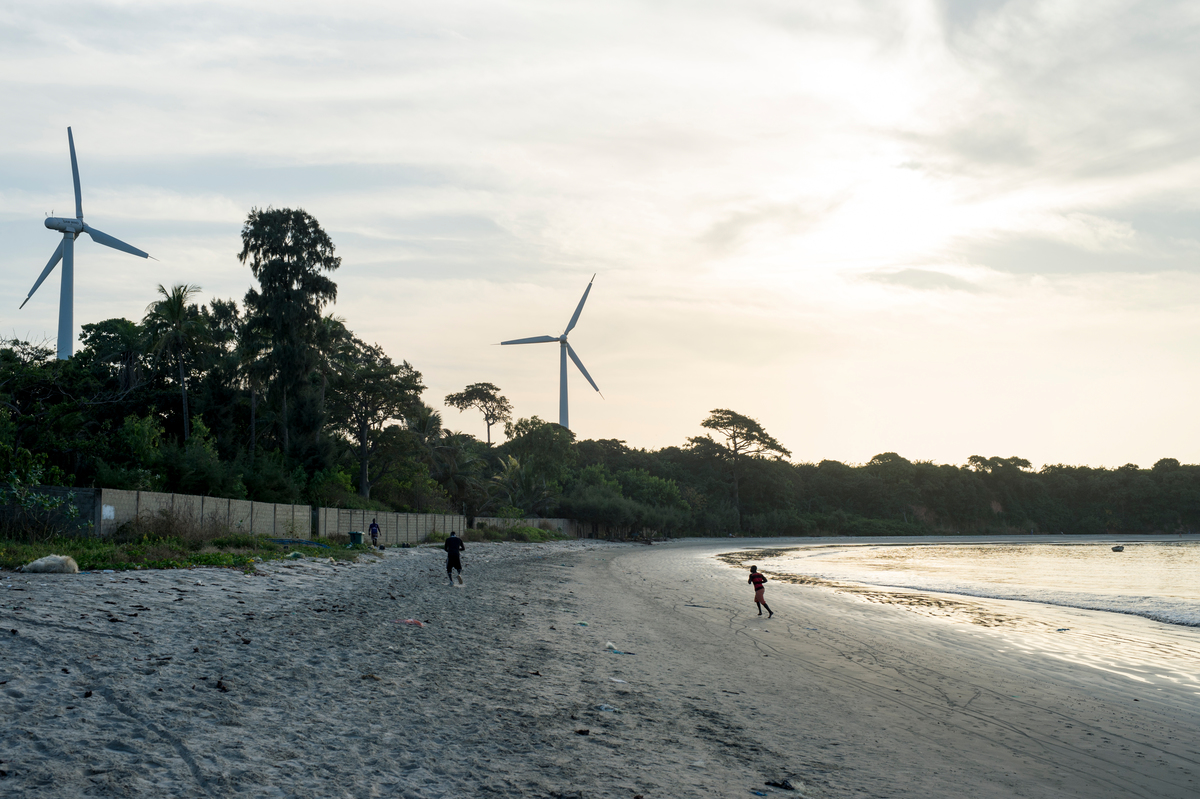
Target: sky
<point x="935" y="228"/>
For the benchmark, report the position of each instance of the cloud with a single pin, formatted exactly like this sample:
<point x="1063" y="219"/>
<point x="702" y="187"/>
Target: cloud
<point x="789" y="205"/>
<point x="923" y="280"/>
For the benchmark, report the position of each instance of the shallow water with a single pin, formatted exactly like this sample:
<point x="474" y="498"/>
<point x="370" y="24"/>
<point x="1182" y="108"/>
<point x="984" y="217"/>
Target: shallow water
<point x="1157" y="580"/>
<point x="1134" y="615"/>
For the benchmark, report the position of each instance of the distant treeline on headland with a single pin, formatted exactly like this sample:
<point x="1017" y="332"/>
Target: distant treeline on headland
<point x="276" y="400"/>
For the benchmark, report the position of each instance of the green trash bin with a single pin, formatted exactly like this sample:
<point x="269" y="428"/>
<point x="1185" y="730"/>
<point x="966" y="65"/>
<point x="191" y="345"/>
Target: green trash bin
<point x="355" y="538"/>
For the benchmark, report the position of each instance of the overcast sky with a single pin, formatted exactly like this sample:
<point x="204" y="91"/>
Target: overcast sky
<point x="936" y="228"/>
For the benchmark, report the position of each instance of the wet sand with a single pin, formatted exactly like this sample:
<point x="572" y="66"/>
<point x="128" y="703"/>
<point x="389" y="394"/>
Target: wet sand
<point x="300" y="682"/>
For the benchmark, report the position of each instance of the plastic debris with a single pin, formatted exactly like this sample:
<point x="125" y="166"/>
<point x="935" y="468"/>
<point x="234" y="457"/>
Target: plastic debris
<point x="614" y="679"/>
<point x="582" y="623"/>
<point x="607" y="709"/>
<point x="1062" y="629"/>
<point x="758" y="793"/>
<point x="295" y="555"/>
<point x="410" y="622"/>
<point x="785" y="785"/>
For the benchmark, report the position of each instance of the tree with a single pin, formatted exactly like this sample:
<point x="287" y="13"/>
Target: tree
<point x="118" y="342"/>
<point x="175" y="324"/>
<point x="518" y="486"/>
<point x="744" y="438"/>
<point x="545" y="448"/>
<point x="456" y="467"/>
<point x="486" y="398"/>
<point x="288" y="253"/>
<point x="368" y="392"/>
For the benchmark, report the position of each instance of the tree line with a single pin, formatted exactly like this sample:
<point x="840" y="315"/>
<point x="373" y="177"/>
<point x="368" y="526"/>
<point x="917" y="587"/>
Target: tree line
<point x="275" y="399"/>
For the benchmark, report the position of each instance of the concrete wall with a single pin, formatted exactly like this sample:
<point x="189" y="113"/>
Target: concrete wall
<point x="102" y="511"/>
<point x="115" y="508"/>
<point x="394" y="528"/>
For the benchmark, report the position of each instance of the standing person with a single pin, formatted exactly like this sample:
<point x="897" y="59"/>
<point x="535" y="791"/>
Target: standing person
<point x="374" y="528"/>
<point x="758" y="581"/>
<point x="454" y="545"/>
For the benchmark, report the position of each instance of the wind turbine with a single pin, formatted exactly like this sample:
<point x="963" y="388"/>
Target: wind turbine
<point x="564" y="350"/>
<point x="71" y="228"/>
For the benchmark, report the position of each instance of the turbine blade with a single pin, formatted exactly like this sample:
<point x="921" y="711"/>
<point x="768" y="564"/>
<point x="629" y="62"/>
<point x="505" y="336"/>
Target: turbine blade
<point x="108" y="241"/>
<point x="54" y="259"/>
<point x="533" y="340"/>
<point x="579" y="308"/>
<point x="75" y="176"/>
<point x="579" y="363"/>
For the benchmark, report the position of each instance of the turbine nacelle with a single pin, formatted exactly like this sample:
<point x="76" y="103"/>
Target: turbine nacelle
<point x="65" y="224"/>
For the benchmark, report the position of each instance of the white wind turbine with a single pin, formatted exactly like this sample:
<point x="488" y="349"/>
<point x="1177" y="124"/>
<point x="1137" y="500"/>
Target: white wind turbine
<point x="564" y="350"/>
<point x="71" y="228"/>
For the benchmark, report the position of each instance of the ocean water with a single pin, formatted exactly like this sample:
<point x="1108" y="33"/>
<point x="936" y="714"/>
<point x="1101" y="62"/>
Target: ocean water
<point x="1156" y="580"/>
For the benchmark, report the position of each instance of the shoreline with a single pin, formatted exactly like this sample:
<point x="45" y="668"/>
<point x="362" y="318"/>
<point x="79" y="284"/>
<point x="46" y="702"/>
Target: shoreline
<point x="325" y="694"/>
<point x="1077" y="599"/>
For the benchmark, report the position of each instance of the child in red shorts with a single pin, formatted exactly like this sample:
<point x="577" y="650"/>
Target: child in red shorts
<point x="758" y="581"/>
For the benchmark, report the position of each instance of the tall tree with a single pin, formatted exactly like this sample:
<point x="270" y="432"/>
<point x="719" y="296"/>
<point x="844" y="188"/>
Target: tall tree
<point x="288" y="254"/>
<point x="486" y="398"/>
<point x="175" y="325"/>
<point x="118" y="342"/>
<point x="744" y="438"/>
<point x="368" y="392"/>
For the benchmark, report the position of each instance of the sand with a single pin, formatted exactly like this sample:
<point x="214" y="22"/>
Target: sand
<point x="300" y="682"/>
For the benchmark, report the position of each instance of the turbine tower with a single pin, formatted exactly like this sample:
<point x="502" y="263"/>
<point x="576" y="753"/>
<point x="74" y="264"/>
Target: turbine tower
<point x="71" y="228"/>
<point x="564" y="351"/>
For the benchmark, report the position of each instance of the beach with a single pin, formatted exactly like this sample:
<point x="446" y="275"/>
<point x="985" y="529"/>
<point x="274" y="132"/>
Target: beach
<point x="304" y="680"/>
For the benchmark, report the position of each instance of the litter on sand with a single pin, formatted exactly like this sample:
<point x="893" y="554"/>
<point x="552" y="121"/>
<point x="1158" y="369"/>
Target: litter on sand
<point x="410" y="622"/>
<point x="607" y="709"/>
<point x="785" y="785"/>
<point x="1062" y="629"/>
<point x="582" y="623"/>
<point x="614" y="679"/>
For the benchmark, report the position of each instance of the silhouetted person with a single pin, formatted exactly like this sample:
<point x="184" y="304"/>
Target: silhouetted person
<point x="374" y="528"/>
<point x="454" y="545"/>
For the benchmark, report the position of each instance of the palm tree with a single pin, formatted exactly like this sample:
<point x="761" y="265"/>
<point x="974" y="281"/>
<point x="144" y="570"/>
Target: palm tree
<point x="175" y="324"/>
<point x="425" y="425"/>
<point x="518" y="486"/>
<point x="456" y="467"/>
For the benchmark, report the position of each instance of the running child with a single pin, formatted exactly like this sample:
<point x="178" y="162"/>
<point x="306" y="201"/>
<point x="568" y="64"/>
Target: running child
<point x="759" y="581"/>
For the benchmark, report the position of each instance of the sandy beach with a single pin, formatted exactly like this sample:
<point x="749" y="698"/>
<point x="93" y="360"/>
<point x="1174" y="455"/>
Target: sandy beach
<point x="302" y="681"/>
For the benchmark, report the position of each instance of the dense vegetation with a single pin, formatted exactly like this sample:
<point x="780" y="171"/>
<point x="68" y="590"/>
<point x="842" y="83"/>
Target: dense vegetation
<point x="275" y="399"/>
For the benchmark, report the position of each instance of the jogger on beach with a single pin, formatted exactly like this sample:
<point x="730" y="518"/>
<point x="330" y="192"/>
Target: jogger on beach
<point x="758" y="581"/>
<point x="454" y="545"/>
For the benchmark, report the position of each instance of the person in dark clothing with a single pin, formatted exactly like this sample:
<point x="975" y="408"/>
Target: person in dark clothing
<point x="759" y="581"/>
<point x="374" y="528"/>
<point x="454" y="545"/>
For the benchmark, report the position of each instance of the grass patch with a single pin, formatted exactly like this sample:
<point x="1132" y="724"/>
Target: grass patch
<point x="164" y="552"/>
